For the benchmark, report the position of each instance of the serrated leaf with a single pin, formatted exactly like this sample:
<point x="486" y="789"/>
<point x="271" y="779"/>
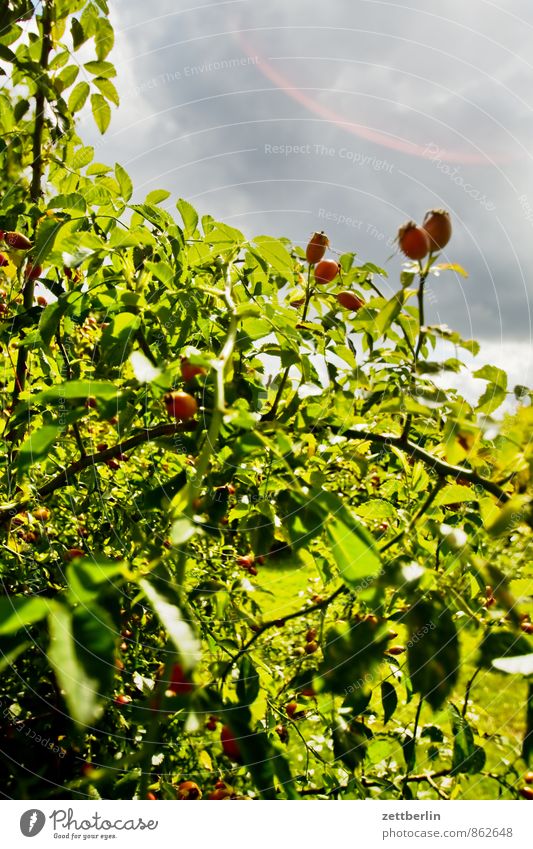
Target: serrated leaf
<point x="124" y="181"/>
<point x="275" y="254"/>
<point x="492" y="398"/>
<point x="107" y="88"/>
<point x="388" y="314"/>
<point x="81" y="653"/>
<point x="157" y="196"/>
<point x="189" y="217"/>
<point x="18" y="612"/>
<point x="493" y="375"/>
<point x="82" y="157"/>
<point x="78" y="96"/>
<point x="101" y="112"/>
<point x="37" y="446"/>
<point x="101" y="69"/>
<point x="178" y="629"/>
<point x="455" y="494"/>
<point x="389" y="700"/>
<point x="467" y="757"/>
<point x="104" y="38"/>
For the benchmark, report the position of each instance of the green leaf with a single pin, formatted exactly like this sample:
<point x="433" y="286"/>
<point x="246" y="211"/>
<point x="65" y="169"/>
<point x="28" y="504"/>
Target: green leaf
<point x="87" y="577"/>
<point x="82" y="653"/>
<point x="455" y="494"/>
<point x="354" y="551"/>
<point x="389" y="700"/>
<point x="160" y="496"/>
<point x="189" y="216"/>
<point x="247" y="682"/>
<point x="275" y="254"/>
<point x="432" y="650"/>
<point x="10" y="648"/>
<point x="78" y="35"/>
<point x="124" y="181"/>
<point x="118" y="338"/>
<point x="376" y="508"/>
<point x="67" y="76"/>
<point x="182" y="531"/>
<point x="493" y="375"/>
<point x="351" y="651"/>
<point x="78" y="97"/>
<point x="82" y="157"/>
<point x="513" y="513"/>
<point x="78" y="390"/>
<point x="179" y="630"/>
<point x="389" y="313"/>
<point x="350" y="741"/>
<point x="527" y="745"/>
<point x="47" y="233"/>
<point x="492" y="398"/>
<point x="499" y="644"/>
<point x="409" y="751"/>
<point x="157" y="196"/>
<point x="467" y="757"/>
<point x="101" y="69"/>
<point x="104" y="38"/>
<point x="37" y="446"/>
<point x="101" y="112"/>
<point x="17" y="612"/>
<point x="107" y="88"/>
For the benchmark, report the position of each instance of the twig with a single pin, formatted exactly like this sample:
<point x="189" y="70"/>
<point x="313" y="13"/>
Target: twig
<point x="434" y="463"/>
<point x="35" y="187"/>
<point x="64" y="477"/>
<point x="68" y="370"/>
<point x="278" y="623"/>
<point x="467" y="691"/>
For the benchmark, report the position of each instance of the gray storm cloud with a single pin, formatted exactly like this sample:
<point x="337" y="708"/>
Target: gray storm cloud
<point x="348" y="116"/>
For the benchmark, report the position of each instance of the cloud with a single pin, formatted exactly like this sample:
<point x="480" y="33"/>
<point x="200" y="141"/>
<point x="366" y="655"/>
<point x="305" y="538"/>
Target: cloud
<point x="209" y="91"/>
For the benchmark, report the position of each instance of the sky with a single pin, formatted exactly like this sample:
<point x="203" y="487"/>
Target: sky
<point x="351" y="116"/>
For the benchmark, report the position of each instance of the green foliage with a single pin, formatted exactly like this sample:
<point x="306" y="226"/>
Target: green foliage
<point x="330" y="533"/>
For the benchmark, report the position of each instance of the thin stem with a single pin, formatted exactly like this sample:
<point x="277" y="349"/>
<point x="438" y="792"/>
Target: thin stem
<point x="279" y="623"/>
<point x="434" y="463"/>
<point x="68" y="370"/>
<point x="36" y="179"/>
<point x="415" y="732"/>
<point x="215" y="425"/>
<point x="65" y="477"/>
<point x="268" y="417"/>
<point x="419" y="513"/>
<point x="419" y="342"/>
<point x="467" y="691"/>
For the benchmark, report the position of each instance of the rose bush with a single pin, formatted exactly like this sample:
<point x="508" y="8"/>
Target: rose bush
<point x="251" y="546"/>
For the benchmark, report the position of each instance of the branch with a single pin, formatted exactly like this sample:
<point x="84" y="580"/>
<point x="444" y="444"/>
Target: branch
<point x="64" y="477"/>
<point x="279" y="623"/>
<point x="437" y="465"/>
